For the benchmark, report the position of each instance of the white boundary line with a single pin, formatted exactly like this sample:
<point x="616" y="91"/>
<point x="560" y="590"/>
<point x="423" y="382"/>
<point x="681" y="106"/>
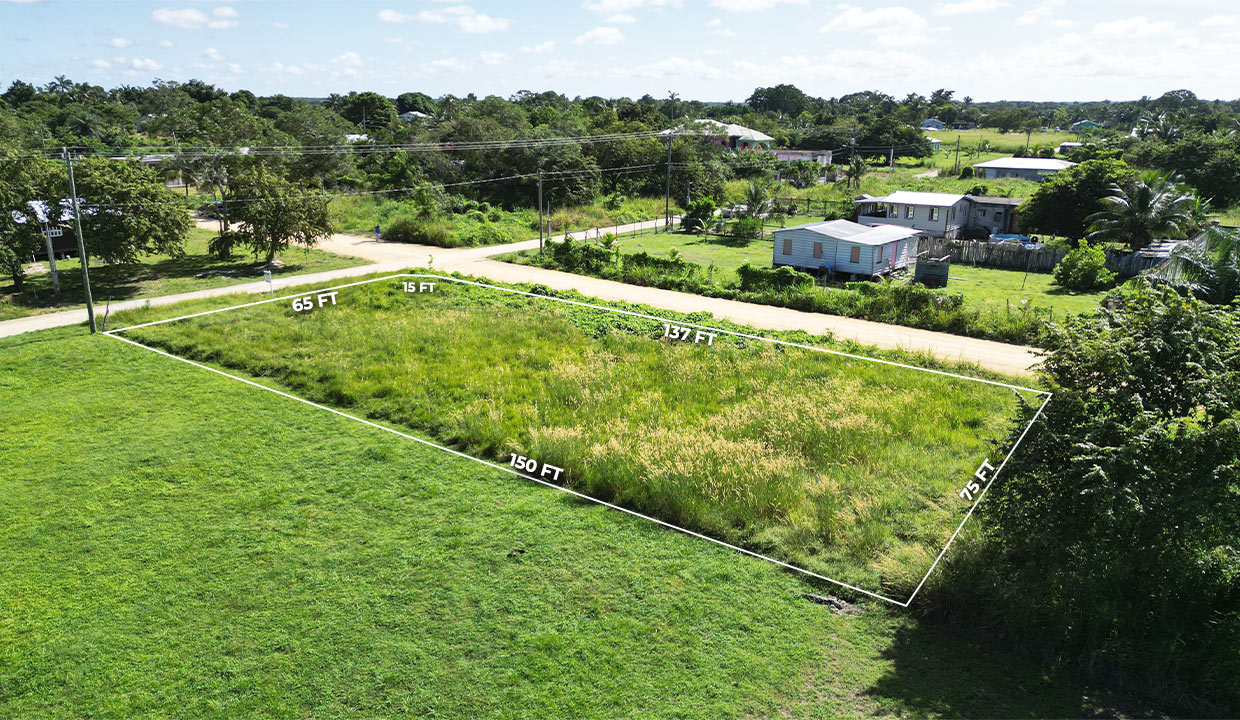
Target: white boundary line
<point x="540" y="481"/>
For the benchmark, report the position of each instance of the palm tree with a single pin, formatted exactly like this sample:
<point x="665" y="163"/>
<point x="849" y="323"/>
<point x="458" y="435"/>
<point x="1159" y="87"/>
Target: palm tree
<point x="757" y="200"/>
<point x="1154" y="207"/>
<point x="1208" y="268"/>
<point x="1160" y="125"/>
<point x="854" y="171"/>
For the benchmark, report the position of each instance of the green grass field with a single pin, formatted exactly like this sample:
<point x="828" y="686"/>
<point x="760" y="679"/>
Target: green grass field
<point x="175" y="543"/>
<point x="158" y="275"/>
<point x="1001" y="142"/>
<point x="826" y="462"/>
<point x="1000" y="289"/>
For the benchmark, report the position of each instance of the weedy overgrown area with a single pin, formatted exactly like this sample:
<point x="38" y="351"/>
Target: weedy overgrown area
<point x="846" y="467"/>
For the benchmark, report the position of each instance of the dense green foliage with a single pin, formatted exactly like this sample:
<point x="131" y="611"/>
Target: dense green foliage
<point x="911" y="305"/>
<point x="1064" y="203"/>
<point x="1150" y="207"/>
<point x="1113" y="538"/>
<point x="760" y="445"/>
<point x="278" y="213"/>
<point x="1208" y="268"/>
<point x="1084" y="268"/>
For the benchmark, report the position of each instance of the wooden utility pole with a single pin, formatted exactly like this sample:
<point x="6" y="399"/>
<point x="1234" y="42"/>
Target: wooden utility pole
<point x="956" y="166"/>
<point x="540" y="214"/>
<point x="667" y="200"/>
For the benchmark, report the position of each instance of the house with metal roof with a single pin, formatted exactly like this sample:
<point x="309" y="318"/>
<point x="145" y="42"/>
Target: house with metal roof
<point x="932" y="124"/>
<point x="733" y="137"/>
<point x="940" y="215"/>
<point x="1036" y="169"/>
<point x="845" y="247"/>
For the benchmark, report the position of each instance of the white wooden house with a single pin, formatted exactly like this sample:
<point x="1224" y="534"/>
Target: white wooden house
<point x="845" y="247"/>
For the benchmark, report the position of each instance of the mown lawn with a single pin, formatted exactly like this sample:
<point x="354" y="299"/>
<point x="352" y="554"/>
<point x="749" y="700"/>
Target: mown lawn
<point x="848" y="468"/>
<point x="158" y="275"/>
<point x="174" y="543"/>
<point x="1000" y="289"/>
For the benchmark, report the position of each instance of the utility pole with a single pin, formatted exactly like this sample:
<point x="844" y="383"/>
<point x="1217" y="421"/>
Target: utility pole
<point x="893" y="158"/>
<point x="77" y="227"/>
<point x="51" y="256"/>
<point x="667" y="202"/>
<point x="540" y="214"/>
<point x="688" y="194"/>
<point x="956" y="166"/>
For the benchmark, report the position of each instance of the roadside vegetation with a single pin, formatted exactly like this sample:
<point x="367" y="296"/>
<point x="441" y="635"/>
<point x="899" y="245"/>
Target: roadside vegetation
<point x="826" y="462"/>
<point x="194" y="268"/>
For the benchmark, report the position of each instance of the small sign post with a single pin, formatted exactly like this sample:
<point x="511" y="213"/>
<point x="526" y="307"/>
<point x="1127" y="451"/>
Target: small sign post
<point x="267" y="276"/>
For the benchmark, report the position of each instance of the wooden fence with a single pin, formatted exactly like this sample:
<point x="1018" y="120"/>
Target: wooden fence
<point x="1012" y="256"/>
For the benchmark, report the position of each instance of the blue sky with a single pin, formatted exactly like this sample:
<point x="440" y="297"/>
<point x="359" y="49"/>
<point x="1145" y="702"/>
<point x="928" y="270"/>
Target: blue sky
<point x="701" y="49"/>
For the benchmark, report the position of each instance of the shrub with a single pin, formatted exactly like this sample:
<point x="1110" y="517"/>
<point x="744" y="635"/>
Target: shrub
<point x="1111" y="538"/>
<point x="784" y="278"/>
<point x="746" y="228"/>
<point x="486" y="234"/>
<point x="966" y="172"/>
<point x="405" y="229"/>
<point x="1084" y="268"/>
<point x="699" y="215"/>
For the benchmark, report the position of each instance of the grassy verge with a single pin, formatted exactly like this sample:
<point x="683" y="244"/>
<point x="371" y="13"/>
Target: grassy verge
<point x="462" y="222"/>
<point x="212" y="551"/>
<point x="158" y="275"/>
<point x="824" y="461"/>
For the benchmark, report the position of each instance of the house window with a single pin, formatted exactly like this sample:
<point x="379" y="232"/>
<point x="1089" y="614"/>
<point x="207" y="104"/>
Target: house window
<point x="817" y="250"/>
<point x="952" y="215"/>
<point x="854" y="255"/>
<point x="934" y="214"/>
<point x="880" y="254"/>
<point x="998" y="214"/>
<point x="787" y="246"/>
<point x="908" y="212"/>
<point x="981" y="213"/>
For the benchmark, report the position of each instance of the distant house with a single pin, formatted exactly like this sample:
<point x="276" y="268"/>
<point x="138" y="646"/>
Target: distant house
<point x="1036" y="169"/>
<point x="932" y="124"/>
<point x="356" y="137"/>
<point x="845" y="247"/>
<point x="940" y="215"/>
<point x="935" y="143"/>
<point x="412" y="116"/>
<point x="57" y="226"/>
<point x="1067" y="147"/>
<point x="733" y="137"/>
<point x="822" y="157"/>
<point x="964" y="126"/>
<point x="1080" y="125"/>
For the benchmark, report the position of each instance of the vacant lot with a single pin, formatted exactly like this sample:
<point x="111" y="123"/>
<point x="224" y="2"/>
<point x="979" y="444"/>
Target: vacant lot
<point x="174" y="543"/>
<point x="158" y="275"/>
<point x="845" y="467"/>
<point x="1002" y="289"/>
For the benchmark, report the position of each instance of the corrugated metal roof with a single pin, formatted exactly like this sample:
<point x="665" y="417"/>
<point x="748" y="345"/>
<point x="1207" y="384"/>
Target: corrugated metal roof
<point x="852" y="232"/>
<point x="913" y="197"/>
<point x="1015" y="163"/>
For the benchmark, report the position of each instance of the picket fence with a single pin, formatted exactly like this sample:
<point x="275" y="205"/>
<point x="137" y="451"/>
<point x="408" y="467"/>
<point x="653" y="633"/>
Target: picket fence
<point x="1012" y="256"/>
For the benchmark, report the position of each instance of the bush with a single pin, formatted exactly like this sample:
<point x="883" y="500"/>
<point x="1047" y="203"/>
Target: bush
<point x="967" y="172"/>
<point x="1084" y="268"/>
<point x="486" y="234"/>
<point x="1112" y="537"/>
<point x="405" y="229"/>
<point x="746" y="228"/>
<point x="699" y="215"/>
<point x="784" y="278"/>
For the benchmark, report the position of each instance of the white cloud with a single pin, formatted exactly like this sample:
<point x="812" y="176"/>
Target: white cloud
<point x="280" y="68"/>
<point x="465" y="17"/>
<point x="100" y="64"/>
<point x="893" y="26"/>
<point x="602" y="35"/>
<point x="490" y="57"/>
<point x="280" y="25"/>
<point x="621" y="18"/>
<point x="612" y="7"/>
<point x="234" y="68"/>
<point x="676" y="66"/>
<point x="724" y="32"/>
<point x="751" y="5"/>
<point x="392" y="16"/>
<point x="145" y="64"/>
<point x="968" y="7"/>
<point x="120" y="42"/>
<point x="448" y="65"/>
<point x="213" y="54"/>
<point x="1133" y="27"/>
<point x="543" y="47"/>
<point x="193" y="19"/>
<point x="394" y="40"/>
<point x="1044" y="11"/>
<point x="165" y="43"/>
<point x="714" y="23"/>
<point x="347" y="59"/>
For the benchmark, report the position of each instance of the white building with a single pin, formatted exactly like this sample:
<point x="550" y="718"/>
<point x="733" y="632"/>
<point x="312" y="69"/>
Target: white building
<point x="843" y="246"/>
<point x="940" y="215"/>
<point x="1036" y="169"/>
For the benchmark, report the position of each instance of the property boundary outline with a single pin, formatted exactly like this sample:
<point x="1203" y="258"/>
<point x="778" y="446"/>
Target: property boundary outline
<point x="903" y="604"/>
